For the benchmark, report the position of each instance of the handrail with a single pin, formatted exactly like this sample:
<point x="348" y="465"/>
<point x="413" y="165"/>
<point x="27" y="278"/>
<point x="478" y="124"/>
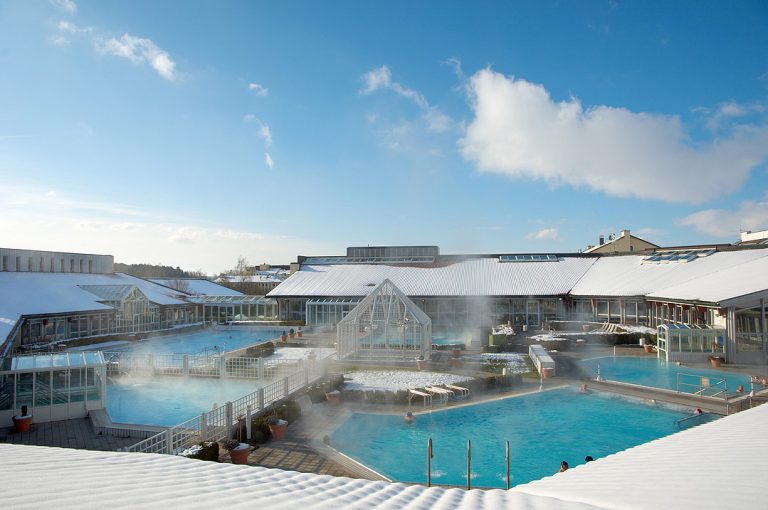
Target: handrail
<point x="691" y="417"/>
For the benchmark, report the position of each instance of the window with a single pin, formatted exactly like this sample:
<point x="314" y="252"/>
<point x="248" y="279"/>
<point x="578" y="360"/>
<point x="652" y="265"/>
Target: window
<point x="30" y="264"/>
<point x="52" y="266"/>
<point x="18" y="263"/>
<point x="71" y="265"/>
<point x="81" y="265"/>
<point x="90" y="265"/>
<point x="5" y="262"/>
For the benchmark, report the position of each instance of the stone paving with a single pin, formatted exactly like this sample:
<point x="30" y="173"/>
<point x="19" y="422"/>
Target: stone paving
<point x="66" y="434"/>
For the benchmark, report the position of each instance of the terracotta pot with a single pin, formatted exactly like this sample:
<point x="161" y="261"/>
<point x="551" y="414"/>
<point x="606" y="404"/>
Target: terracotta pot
<point x="278" y="430"/>
<point x="715" y="361"/>
<point x="240" y="454"/>
<point x="648" y="348"/>
<point x="22" y="423"/>
<point x="333" y="397"/>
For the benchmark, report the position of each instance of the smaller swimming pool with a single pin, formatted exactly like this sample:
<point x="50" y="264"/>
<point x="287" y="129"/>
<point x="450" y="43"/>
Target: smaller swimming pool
<point x="168" y="401"/>
<point x="657" y="373"/>
<point x="208" y="339"/>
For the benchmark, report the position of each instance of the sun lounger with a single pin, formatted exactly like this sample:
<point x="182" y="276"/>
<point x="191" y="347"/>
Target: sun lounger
<point x="425" y="396"/>
<point x="461" y="392"/>
<point x="440" y="393"/>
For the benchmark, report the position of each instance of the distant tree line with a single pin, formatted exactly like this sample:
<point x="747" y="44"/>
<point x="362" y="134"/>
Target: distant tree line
<point x="156" y="271"/>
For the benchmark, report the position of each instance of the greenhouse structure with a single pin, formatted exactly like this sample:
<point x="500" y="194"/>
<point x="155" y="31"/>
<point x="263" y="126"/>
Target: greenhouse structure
<point x="385" y="325"/>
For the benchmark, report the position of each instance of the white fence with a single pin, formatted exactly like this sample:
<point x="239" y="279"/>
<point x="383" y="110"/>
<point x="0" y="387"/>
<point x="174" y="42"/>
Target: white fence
<point x="199" y="365"/>
<point x="219" y="423"/>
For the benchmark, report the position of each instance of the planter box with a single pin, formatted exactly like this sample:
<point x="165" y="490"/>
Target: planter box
<point x="278" y="429"/>
<point x="22" y="423"/>
<point x="240" y="454"/>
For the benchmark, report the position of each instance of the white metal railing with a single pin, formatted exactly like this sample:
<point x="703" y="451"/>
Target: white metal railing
<point x="199" y="366"/>
<point x="702" y="385"/>
<point x="218" y="423"/>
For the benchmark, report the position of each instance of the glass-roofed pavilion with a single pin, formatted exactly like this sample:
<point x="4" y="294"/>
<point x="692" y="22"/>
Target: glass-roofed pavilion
<point x="54" y="387"/>
<point x="385" y="325"/>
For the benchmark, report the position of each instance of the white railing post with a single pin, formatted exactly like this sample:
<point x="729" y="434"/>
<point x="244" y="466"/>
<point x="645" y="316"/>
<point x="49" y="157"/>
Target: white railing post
<point x="222" y="366"/>
<point x="286" y="390"/>
<point x="248" y="412"/>
<point x="230" y="418"/>
<point x="306" y="376"/>
<point x="169" y="441"/>
<point x="204" y="427"/>
<point x="261" y="368"/>
<point x="186" y="365"/>
<point x="260" y="399"/>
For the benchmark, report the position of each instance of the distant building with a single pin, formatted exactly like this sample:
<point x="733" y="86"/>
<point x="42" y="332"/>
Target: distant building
<point x="749" y="237"/>
<point x="624" y="243"/>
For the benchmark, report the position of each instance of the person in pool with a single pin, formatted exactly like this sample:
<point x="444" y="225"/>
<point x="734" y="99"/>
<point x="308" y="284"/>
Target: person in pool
<point x="563" y="466"/>
<point x="409" y="417"/>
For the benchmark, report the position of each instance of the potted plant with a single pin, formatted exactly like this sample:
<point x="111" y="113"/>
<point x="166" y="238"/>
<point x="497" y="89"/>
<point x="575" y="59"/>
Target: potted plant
<point x="277" y="427"/>
<point x="238" y="452"/>
<point x="207" y="450"/>
<point x="716" y="361"/>
<point x="22" y="422"/>
<point x="333" y="397"/>
<point x="647" y="346"/>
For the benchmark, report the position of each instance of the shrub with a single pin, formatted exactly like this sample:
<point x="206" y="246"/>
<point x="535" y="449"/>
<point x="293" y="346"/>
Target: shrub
<point x="260" y="351"/>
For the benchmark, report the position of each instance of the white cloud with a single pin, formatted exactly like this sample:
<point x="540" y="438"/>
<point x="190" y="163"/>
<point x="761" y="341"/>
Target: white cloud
<point x="268" y="160"/>
<point x="55" y="220"/>
<point x="545" y="234"/>
<point x="266" y="134"/>
<point x="258" y="90"/>
<point x="751" y="215"/>
<point x="717" y="118"/>
<point x="249" y="117"/>
<point x="58" y="40"/>
<point x="519" y="131"/>
<point x="456" y="66"/>
<point x="68" y="6"/>
<point x="140" y="51"/>
<point x="66" y="26"/>
<point x="381" y="78"/>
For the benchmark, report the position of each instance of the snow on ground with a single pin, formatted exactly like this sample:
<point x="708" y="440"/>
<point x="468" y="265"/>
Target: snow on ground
<point x="548" y="337"/>
<point x="394" y="380"/>
<point x="636" y="328"/>
<point x="290" y="353"/>
<point x="511" y="360"/>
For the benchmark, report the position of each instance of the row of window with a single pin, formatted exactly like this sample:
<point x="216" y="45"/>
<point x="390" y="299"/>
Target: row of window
<point x="52" y="265"/>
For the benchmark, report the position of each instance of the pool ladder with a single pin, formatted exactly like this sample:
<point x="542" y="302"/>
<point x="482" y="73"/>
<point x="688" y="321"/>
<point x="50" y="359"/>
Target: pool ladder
<point x="469" y="463"/>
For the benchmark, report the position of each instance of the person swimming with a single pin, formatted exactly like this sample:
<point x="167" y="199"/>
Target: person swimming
<point x="409" y="417"/>
<point x="563" y="466"/>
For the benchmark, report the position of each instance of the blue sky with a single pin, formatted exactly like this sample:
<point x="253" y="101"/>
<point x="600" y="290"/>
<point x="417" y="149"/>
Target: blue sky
<point x="189" y="133"/>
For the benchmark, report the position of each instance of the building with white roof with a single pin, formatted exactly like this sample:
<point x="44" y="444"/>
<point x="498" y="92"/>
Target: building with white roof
<point x="723" y="287"/>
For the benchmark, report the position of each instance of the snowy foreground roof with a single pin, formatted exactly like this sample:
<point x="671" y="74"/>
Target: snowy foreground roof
<point x="717" y="465"/>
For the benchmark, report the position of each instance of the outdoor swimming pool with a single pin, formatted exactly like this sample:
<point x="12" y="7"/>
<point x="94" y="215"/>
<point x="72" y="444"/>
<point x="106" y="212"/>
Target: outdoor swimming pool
<point x="658" y="373"/>
<point x="542" y="428"/>
<point x="227" y="339"/>
<point x="168" y="401"/>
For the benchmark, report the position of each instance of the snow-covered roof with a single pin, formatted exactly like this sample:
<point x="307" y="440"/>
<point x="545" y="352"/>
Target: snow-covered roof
<point x="475" y="277"/>
<point x="725" y="286"/>
<point x="23" y="293"/>
<point x="630" y="275"/>
<point x="197" y="286"/>
<point x="717" y="465"/>
<point x="255" y="278"/>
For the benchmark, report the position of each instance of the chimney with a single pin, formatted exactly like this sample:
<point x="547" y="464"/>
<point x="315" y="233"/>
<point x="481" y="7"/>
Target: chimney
<point x="601" y="240"/>
<point x="625" y="233"/>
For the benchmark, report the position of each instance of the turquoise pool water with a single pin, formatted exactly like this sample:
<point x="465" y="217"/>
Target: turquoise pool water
<point x="193" y="343"/>
<point x="543" y="429"/>
<point x="168" y="401"/>
<point x="660" y="374"/>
